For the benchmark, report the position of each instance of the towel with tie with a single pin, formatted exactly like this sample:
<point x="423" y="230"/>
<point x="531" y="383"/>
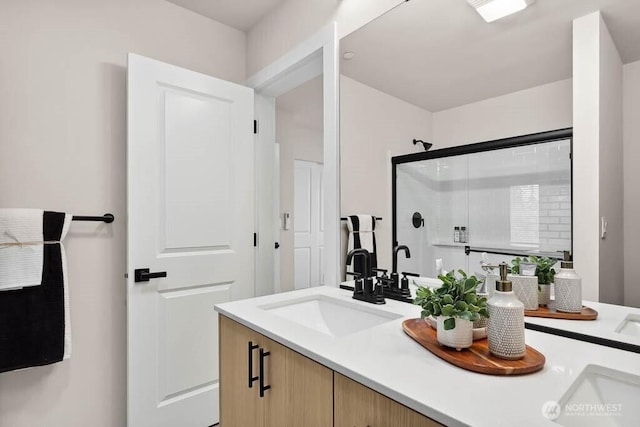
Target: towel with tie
<point x="362" y="235"/>
<point x="21" y="248"/>
<point x="35" y="327"/>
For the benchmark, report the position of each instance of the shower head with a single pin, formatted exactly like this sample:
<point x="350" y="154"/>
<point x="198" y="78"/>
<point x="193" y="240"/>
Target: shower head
<point x="426" y="145"/>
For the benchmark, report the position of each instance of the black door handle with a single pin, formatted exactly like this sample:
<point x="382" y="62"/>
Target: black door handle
<point x="143" y="275"/>
<point x="263" y="387"/>
<point x="252" y="347"/>
<point x="277" y="245"/>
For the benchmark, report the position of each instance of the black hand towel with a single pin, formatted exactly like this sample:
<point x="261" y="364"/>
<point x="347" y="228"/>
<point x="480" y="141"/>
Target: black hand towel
<point x="32" y="320"/>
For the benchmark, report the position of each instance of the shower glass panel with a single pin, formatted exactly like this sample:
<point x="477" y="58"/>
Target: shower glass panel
<point x="512" y="201"/>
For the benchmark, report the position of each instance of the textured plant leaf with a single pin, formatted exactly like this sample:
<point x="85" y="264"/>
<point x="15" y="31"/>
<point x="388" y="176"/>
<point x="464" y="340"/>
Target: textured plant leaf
<point x="449" y="323"/>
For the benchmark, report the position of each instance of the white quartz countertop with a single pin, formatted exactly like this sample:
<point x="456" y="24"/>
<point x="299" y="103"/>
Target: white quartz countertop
<point x="385" y="359"/>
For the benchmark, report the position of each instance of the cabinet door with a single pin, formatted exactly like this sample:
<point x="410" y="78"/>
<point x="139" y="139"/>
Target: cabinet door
<point x="240" y="406"/>
<point x="359" y="406"/>
<point x="301" y="390"/>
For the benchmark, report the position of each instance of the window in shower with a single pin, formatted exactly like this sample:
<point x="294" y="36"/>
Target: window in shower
<point x="524" y="221"/>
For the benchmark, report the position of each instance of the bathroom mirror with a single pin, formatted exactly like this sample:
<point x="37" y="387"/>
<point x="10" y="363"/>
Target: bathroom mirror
<point x="435" y="71"/>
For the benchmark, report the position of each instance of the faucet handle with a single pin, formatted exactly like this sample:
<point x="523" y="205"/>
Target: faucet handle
<point x="381" y="270"/>
<point x="404" y="273"/>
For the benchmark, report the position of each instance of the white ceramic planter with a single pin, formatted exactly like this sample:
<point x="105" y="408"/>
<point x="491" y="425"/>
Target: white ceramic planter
<point x="544" y="295"/>
<point x="459" y="337"/>
<point x="526" y="289"/>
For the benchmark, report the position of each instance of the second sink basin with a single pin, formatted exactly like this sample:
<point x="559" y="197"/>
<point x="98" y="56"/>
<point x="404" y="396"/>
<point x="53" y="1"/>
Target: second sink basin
<point x="330" y="316"/>
<point x="630" y="326"/>
<point x="601" y="397"/>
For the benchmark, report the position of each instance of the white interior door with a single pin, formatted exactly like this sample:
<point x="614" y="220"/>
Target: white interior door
<point x="191" y="215"/>
<point x="308" y="224"/>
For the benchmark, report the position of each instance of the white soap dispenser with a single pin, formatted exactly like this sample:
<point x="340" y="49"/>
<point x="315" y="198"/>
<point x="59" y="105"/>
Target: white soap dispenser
<point x="568" y="287"/>
<point x="505" y="328"/>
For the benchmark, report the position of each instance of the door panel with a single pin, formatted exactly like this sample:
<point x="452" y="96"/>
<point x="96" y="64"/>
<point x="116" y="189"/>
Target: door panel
<point x="191" y="214"/>
<point x="193" y="218"/>
<point x="308" y="222"/>
<point x="302" y="267"/>
<point x="181" y="371"/>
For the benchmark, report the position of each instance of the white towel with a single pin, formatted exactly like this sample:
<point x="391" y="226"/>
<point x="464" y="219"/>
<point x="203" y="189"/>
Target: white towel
<point x="67" y="307"/>
<point x="20" y="265"/>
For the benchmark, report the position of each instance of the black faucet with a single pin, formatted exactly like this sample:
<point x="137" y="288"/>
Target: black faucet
<point x="395" y="288"/>
<point x="394" y="273"/>
<point x="366" y="292"/>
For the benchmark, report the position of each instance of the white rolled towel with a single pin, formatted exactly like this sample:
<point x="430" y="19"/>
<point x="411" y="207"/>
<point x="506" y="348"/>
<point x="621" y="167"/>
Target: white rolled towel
<point x="21" y="248"/>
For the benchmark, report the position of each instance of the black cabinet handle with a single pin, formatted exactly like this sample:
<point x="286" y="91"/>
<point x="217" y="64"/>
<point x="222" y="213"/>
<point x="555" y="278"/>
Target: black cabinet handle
<point x="252" y="347"/>
<point x="143" y="275"/>
<point x="263" y="387"/>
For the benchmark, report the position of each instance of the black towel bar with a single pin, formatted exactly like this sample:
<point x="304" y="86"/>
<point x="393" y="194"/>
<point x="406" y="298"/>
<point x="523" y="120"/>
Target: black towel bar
<point x="377" y="218"/>
<point x="108" y="218"/>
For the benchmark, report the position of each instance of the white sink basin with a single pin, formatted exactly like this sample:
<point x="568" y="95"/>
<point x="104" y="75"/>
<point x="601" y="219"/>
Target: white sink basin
<point x="630" y="326"/>
<point x="330" y="316"/>
<point x="600" y="397"/>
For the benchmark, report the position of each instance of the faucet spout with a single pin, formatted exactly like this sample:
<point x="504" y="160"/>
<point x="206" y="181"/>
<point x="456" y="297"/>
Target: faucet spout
<point x="367" y="260"/>
<point x="395" y="255"/>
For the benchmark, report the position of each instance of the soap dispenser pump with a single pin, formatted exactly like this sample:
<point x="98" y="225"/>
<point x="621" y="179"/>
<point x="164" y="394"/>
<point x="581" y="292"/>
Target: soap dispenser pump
<point x="568" y="287"/>
<point x="505" y="329"/>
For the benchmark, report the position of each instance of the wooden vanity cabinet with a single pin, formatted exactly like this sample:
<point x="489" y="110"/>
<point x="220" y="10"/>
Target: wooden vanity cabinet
<point x="300" y="391"/>
<point x="358" y="406"/>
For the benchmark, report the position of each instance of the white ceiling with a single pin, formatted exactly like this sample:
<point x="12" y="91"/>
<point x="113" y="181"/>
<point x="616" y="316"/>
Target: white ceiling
<point x="240" y="14"/>
<point x="439" y="54"/>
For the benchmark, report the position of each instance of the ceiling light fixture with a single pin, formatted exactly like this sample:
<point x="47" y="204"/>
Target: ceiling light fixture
<point x="491" y="10"/>
<point x="349" y="55"/>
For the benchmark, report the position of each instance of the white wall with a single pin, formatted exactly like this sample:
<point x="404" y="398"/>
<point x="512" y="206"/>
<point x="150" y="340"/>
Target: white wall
<point x="62" y="147"/>
<point x="631" y="152"/>
<point x="538" y="109"/>
<point x="296" y="20"/>
<point x="374" y="127"/>
<point x="597" y="156"/>
<point x="298" y="141"/>
<point x="611" y="173"/>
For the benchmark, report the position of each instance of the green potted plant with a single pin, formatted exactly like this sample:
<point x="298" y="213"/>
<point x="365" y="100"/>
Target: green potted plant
<point x="455" y="305"/>
<point x="544" y="271"/>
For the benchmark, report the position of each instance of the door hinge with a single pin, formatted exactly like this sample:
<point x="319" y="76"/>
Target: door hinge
<point x="255" y="240"/>
<point x="255" y="126"/>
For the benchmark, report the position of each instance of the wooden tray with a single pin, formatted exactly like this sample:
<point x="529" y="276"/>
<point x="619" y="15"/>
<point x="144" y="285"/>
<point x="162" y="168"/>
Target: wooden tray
<point x="475" y="358"/>
<point x="550" y="312"/>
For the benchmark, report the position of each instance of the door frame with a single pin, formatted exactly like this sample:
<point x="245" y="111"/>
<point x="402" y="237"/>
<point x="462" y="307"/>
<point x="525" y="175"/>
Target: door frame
<point x="315" y="56"/>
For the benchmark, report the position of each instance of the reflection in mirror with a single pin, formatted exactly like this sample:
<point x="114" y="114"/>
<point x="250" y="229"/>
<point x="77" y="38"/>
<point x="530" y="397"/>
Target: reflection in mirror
<point x="504" y="202"/>
<point x="299" y="142"/>
<point x="435" y="71"/>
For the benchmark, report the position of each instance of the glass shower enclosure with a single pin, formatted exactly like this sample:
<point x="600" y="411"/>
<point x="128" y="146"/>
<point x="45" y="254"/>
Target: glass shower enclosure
<point x="493" y="200"/>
